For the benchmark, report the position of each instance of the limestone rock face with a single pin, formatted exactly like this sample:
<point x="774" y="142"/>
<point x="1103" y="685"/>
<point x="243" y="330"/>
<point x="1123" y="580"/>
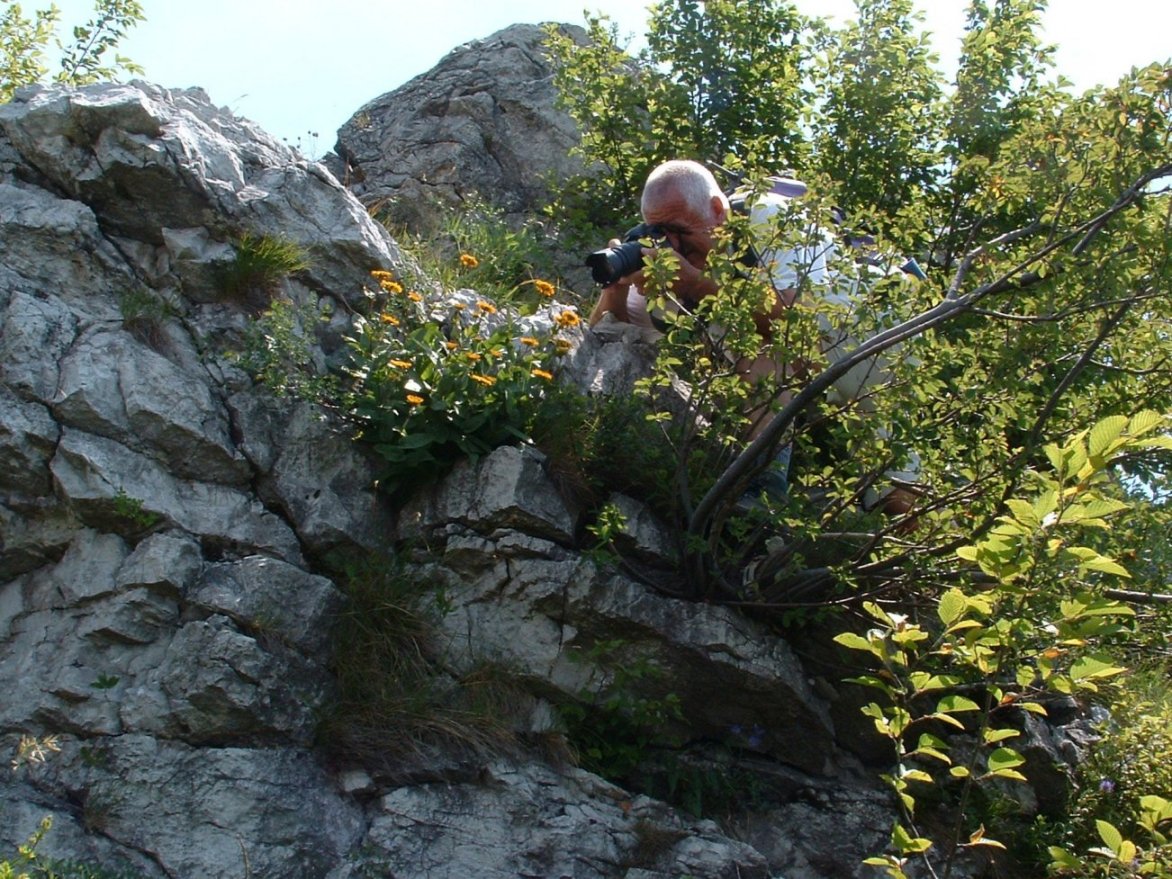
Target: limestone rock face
<point x="162" y="620"/>
<point x="483" y="121"/>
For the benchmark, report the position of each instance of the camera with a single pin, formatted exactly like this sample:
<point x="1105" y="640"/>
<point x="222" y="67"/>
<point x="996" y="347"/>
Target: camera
<point x="612" y="263"/>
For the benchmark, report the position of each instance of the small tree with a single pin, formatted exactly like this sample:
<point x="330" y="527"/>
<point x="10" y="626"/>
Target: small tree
<point x="25" y="41"/>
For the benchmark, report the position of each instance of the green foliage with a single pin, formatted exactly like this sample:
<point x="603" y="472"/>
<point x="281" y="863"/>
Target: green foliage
<point x="24" y="41"/>
<point x="396" y="701"/>
<point x="28" y="863"/>
<point x="143" y="316"/>
<point x="261" y="263"/>
<point x="132" y="511"/>
<point x="1120" y="819"/>
<point x="429" y="388"/>
<point x="478" y="247"/>
<point x="616" y="732"/>
<point x="1040" y="623"/>
<point x="280" y="352"/>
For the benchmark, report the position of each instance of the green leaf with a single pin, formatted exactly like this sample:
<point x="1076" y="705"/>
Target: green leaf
<point x="853" y="641"/>
<point x="904" y="843"/>
<point x="955" y="704"/>
<point x="953" y="603"/>
<point x="1109" y="834"/>
<point x="1091" y="668"/>
<point x="1144" y="422"/>
<point x="1105" y="433"/>
<point x="1063" y="859"/>
<point x="1004" y="758"/>
<point x="992" y="736"/>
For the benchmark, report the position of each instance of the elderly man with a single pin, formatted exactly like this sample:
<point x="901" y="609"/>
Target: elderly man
<point x="684" y="201"/>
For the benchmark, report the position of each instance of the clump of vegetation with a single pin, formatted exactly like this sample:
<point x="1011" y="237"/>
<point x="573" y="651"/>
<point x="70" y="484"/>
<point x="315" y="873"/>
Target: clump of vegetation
<point x="132" y="512"/>
<point x="143" y="316"/>
<point x="432" y="383"/>
<point x="397" y="702"/>
<point x="477" y="247"/>
<point x="261" y="263"/>
<point x="1119" y="822"/>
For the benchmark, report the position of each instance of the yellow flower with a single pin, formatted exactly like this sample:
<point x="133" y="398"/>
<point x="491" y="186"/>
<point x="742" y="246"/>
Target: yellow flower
<point x="381" y="275"/>
<point x="544" y="288"/>
<point x="486" y="307"/>
<point x="568" y="319"/>
<point x="487" y="380"/>
<point x="414" y="297"/>
<point x="459" y="306"/>
<point x="468" y="261"/>
<point x="530" y="341"/>
<point x="401" y="364"/>
<point x="451" y="346"/>
<point x="472" y="355"/>
<point x="414" y="399"/>
<point x="541" y="373"/>
<point x="562" y="346"/>
<point x="390" y="286"/>
<point x="389" y="319"/>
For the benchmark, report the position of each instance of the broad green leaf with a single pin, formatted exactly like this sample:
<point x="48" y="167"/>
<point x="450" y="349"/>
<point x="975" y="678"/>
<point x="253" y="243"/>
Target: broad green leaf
<point x="1109" y="834"/>
<point x="1127" y="851"/>
<point x="953" y="604"/>
<point x="999" y="735"/>
<point x="955" y="703"/>
<point x="1004" y="758"/>
<point x="1063" y="859"/>
<point x="1091" y="667"/>
<point x="1105" y="433"/>
<point x="904" y="843"/>
<point x="917" y="775"/>
<point x="1145" y="421"/>
<point x="959" y="772"/>
<point x="968" y="553"/>
<point x="1023" y="512"/>
<point x="853" y="641"/>
<point x="1011" y="774"/>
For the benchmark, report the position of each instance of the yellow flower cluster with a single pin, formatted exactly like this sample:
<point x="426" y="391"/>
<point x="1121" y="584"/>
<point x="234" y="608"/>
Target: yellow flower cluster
<point x="544" y="288"/>
<point x="387" y="281"/>
<point x="468" y="261"/>
<point x="567" y="319"/>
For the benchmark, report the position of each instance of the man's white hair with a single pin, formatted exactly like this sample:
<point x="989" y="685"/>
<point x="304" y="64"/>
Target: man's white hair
<point x="686" y="178"/>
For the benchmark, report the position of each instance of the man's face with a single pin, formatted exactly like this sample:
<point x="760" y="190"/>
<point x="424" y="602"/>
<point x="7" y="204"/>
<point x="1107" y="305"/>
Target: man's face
<point x="688" y="230"/>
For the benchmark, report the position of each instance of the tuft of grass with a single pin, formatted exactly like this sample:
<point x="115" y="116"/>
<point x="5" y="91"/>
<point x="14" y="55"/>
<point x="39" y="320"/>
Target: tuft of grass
<point x="397" y="706"/>
<point x="262" y="262"/>
<point x="143" y="316"/>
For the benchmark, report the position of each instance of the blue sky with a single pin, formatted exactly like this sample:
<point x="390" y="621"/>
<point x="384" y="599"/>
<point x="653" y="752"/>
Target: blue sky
<point x="299" y="67"/>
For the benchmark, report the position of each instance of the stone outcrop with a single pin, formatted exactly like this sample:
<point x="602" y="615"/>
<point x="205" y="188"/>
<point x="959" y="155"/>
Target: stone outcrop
<point x="483" y="123"/>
